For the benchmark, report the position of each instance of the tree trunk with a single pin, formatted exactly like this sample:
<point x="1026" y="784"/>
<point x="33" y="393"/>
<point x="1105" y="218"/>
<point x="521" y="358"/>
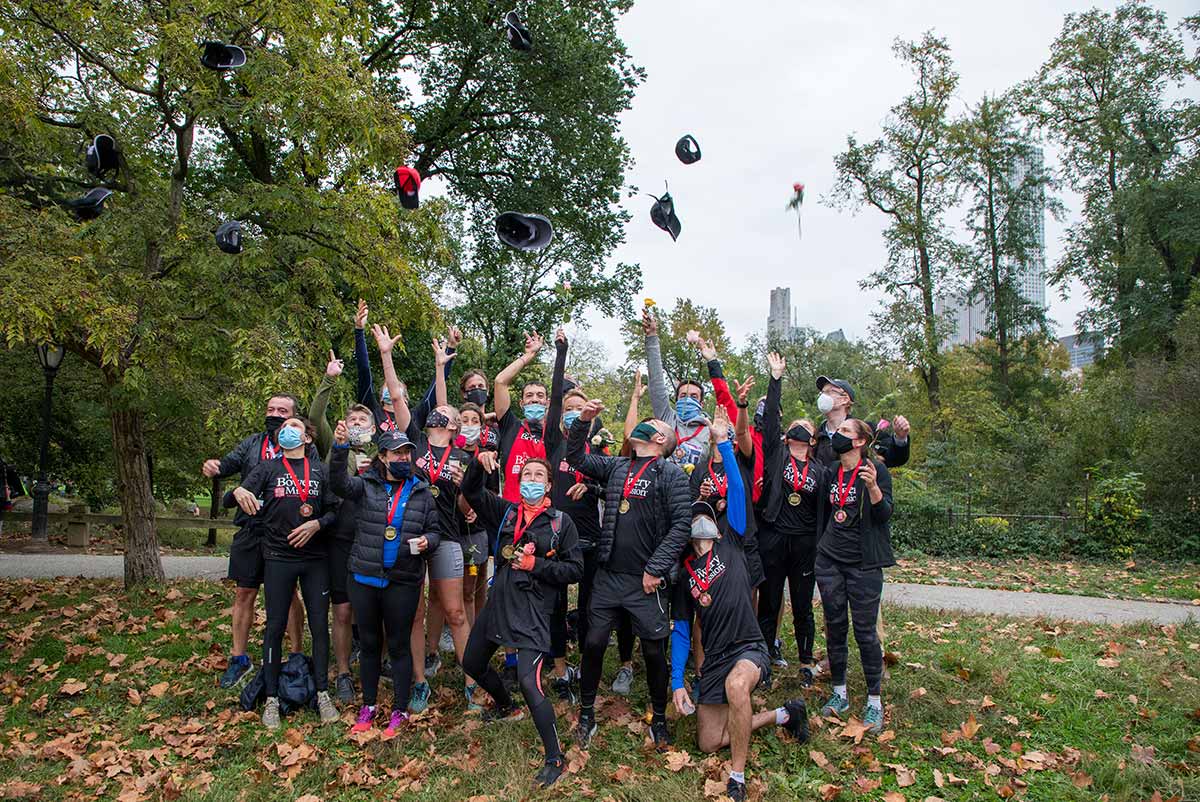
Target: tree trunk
<point x="142" y="563"/>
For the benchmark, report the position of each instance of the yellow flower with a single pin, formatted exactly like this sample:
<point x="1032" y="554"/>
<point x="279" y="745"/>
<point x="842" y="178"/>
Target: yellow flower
<point x="649" y="302"/>
<point x="691" y="466"/>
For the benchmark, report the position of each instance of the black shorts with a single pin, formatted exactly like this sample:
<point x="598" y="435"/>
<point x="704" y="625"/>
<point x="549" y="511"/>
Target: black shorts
<point x="716" y="669"/>
<point x="339" y="559"/>
<point x="246" y="559"/>
<point x="613" y="592"/>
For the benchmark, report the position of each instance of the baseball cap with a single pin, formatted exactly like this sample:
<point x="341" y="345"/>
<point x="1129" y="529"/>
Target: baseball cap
<point x="392" y="441"/>
<point x="526" y="232"/>
<point x="220" y="56"/>
<point x="91" y="204"/>
<point x="229" y="236"/>
<point x="408" y="182"/>
<point x="687" y="149"/>
<point x="704" y="521"/>
<point x="518" y="34"/>
<point x="662" y="214"/>
<point x="101" y="155"/>
<point x="839" y="383"/>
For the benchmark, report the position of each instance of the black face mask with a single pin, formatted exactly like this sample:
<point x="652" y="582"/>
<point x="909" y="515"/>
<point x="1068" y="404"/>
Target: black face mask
<point x="477" y="396"/>
<point x="272" y="424"/>
<point x="798" y="432"/>
<point x="400" y="470"/>
<point x="841" y="443"/>
<point x="437" y="420"/>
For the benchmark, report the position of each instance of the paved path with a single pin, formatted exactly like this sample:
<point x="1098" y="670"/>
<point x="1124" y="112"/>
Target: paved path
<point x="968" y="600"/>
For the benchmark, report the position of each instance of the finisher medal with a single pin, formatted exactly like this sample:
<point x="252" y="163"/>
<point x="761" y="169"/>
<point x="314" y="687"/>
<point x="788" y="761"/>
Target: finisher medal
<point x="705" y="600"/>
<point x="624" y="506"/>
<point x="507" y="551"/>
<point x="433" y="491"/>
<point x="840" y="516"/>
<point x="305" y="510"/>
<point x="794" y="499"/>
<point x="390" y="533"/>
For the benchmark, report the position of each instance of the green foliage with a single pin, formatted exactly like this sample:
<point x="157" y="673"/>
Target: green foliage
<point x="1114" y="513"/>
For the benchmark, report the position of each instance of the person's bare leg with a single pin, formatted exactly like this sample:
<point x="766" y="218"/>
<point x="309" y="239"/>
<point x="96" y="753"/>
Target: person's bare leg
<point x="434" y="619"/>
<point x="342" y="636"/>
<point x="244" y="600"/>
<point x="469" y="588"/>
<point x="449" y="594"/>
<point x="416" y="640"/>
<point x="739" y="722"/>
<point x="295" y="624"/>
<point x="481" y="590"/>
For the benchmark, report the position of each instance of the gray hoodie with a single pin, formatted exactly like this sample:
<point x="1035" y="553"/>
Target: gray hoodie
<point x="693" y="436"/>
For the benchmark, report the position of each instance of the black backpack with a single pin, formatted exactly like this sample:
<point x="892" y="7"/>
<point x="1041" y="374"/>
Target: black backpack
<point x="297" y="687"/>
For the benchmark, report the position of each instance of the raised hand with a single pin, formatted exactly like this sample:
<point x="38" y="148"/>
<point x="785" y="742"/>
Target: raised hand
<point x="694" y="338"/>
<point x="384" y="338"/>
<point x="743" y="389"/>
<point x="453" y="337"/>
<point x="649" y="323"/>
<point x="360" y="317"/>
<point x="708" y="350"/>
<point x="720" y="425"/>
<point x="900" y="427"/>
<point x="868" y="474"/>
<point x="211" y="468"/>
<point x="560" y="336"/>
<point x="333" y="368"/>
<point x="533" y="344"/>
<point x="639" y="389"/>
<point x="440" y="352"/>
<point x="341" y="434"/>
<point x="777" y="364"/>
<point x="592" y="409"/>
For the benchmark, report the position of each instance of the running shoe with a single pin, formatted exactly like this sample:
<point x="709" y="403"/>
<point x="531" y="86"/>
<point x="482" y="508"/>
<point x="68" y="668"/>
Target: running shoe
<point x="497" y="713"/>
<point x="329" y="713"/>
<point x="807" y="677"/>
<point x="872" y="716"/>
<point x="238" y="671"/>
<point x="366" y="715"/>
<point x="624" y="681"/>
<point x="433" y="664"/>
<point x="472" y="705"/>
<point x="270" y="716"/>
<point x="399" y="719"/>
<point x="345" y="688"/>
<point x="585" y="730"/>
<point x="419" y="700"/>
<point x="565" y="689"/>
<point x="446" y="642"/>
<point x="550" y="772"/>
<point x="660" y="734"/>
<point x="836" y="705"/>
<point x="776" y="653"/>
<point x="735" y="790"/>
<point x="797" y="723"/>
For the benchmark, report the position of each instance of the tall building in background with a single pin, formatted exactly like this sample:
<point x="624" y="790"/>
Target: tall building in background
<point x="971" y="317"/>
<point x="781" y="321"/>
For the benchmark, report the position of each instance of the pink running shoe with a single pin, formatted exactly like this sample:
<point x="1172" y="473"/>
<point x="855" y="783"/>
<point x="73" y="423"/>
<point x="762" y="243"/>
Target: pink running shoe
<point x="399" y="719"/>
<point x="366" y="714"/>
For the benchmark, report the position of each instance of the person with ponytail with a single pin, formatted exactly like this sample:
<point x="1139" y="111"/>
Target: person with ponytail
<point x="537" y="556"/>
<point x="854" y="548"/>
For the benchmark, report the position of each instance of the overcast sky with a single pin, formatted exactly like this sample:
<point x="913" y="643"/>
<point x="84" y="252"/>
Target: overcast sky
<point x="770" y="90"/>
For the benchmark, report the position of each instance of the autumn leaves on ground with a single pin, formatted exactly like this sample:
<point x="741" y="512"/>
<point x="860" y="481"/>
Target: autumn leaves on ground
<point x="113" y="696"/>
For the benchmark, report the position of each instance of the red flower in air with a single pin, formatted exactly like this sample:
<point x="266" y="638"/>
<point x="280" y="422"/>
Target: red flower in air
<point x="798" y="187"/>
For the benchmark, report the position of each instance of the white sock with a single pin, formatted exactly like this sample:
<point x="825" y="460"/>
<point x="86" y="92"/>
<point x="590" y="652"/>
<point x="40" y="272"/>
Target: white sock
<point x="740" y="776"/>
<point x="781" y="716"/>
<point x="875" y="702"/>
<point x="840" y="690"/>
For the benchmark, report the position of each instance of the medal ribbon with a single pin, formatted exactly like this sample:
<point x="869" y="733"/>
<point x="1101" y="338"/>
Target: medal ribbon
<point x="722" y="483"/>
<point x="680" y="439"/>
<point x="269" y="451"/>
<point x="630" y="481"/>
<point x="845" y="491"/>
<point x="518" y="528"/>
<point x="704" y="586"/>
<point x="796" y="485"/>
<point x="391" y="509"/>
<point x="587" y="449"/>
<point x="435" y="475"/>
<point x="301" y="490"/>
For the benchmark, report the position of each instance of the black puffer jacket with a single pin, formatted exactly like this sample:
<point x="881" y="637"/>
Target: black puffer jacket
<point x="369" y="491"/>
<point x="673" y="512"/>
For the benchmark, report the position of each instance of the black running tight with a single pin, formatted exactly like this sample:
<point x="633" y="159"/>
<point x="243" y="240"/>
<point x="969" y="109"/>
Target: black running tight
<point x="477" y="663"/>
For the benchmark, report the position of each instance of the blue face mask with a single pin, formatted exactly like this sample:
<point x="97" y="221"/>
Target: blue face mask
<point x="385" y="397"/>
<point x="569" y="418"/>
<point x="687" y="408"/>
<point x="534" y="411"/>
<point x="400" y="470"/>
<point x="290" y="437"/>
<point x="533" y="492"/>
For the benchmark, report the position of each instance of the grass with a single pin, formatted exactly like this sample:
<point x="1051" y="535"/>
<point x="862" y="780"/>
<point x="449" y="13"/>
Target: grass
<point x="1064" y="712"/>
<point x="1147" y="580"/>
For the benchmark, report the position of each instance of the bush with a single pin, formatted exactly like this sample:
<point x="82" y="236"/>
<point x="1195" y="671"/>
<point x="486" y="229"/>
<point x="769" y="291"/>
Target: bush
<point x="1115" y="515"/>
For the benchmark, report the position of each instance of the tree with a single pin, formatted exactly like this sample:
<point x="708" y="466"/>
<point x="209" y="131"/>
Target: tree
<point x="1117" y="96"/>
<point x="680" y="359"/>
<point x="1002" y="172"/>
<point x="294" y="145"/>
<point x="907" y="175"/>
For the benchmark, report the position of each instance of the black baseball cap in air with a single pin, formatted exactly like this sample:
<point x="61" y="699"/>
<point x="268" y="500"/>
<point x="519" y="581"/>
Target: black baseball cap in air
<point x="393" y="441"/>
<point x="518" y="34"/>
<point x="839" y="383"/>
<point x="662" y="214"/>
<point x="229" y="237"/>
<point x="687" y="149"/>
<point x="220" y="56"/>
<point x="526" y="232"/>
<point x="101" y="155"/>
<point x="91" y="204"/>
<point x="408" y="184"/>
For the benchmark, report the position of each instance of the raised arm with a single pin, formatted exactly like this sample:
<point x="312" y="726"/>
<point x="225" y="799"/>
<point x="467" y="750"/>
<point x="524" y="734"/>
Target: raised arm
<point x="317" y="410"/>
<point x="770" y="432"/>
<point x="365" y="385"/>
<point x="340" y="480"/>
<point x="487" y="505"/>
<point x="634" y="414"/>
<point x="660" y="401"/>
<point x="735" y="493"/>
<point x="745" y="443"/>
<point x="386" y="342"/>
<point x="552" y="429"/>
<point x="443" y="355"/>
<point x="504" y="379"/>
<point x="430" y="400"/>
<point x="720" y="387"/>
<point x="593" y="465"/>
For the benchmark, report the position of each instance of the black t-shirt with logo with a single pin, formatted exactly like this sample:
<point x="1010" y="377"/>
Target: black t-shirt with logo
<point x="272" y="484"/>
<point x="636" y="534"/>
<point x="842" y="541"/>
<point x="730" y="620"/>
<point x="427" y="458"/>
<point x="801" y="520"/>
<point x="586" y="511"/>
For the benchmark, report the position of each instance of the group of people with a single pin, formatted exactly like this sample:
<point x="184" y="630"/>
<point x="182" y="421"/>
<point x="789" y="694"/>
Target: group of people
<point x="684" y="540"/>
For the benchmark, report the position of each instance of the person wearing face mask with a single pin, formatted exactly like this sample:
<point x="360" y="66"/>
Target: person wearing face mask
<point x="522" y="440"/>
<point x="537" y="556"/>
<point x="245" y="553"/>
<point x="854" y="548"/>
<point x="795" y="484"/>
<point x="475" y="435"/>
<point x="291" y="499"/>
<point x="645" y="529"/>
<point x="398" y="523"/>
<point x="687" y="417"/>
<point x="714" y="588"/>
<point x="835" y="401"/>
<point x="474" y="388"/>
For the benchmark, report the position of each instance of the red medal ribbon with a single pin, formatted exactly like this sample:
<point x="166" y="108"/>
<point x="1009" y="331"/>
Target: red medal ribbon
<point x="681" y="439"/>
<point x="269" y="451"/>
<point x="704" y="586"/>
<point x="796" y="485"/>
<point x="845" y="491"/>
<point x="722" y="484"/>
<point x="302" y="491"/>
<point x="435" y="475"/>
<point x="395" y="500"/>
<point x="631" y="481"/>
<point x="587" y="449"/>
<point x="518" y="528"/>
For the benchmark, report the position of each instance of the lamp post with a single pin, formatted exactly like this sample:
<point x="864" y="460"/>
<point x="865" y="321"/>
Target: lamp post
<point x="51" y="357"/>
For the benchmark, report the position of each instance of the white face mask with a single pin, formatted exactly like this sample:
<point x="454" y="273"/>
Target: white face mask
<point x="825" y="403"/>
<point x="470" y="433"/>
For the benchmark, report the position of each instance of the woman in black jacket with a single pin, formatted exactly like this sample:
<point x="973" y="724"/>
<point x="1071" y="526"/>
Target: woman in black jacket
<point x="854" y="548"/>
<point x="398" y="524"/>
<point x="537" y="556"/>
